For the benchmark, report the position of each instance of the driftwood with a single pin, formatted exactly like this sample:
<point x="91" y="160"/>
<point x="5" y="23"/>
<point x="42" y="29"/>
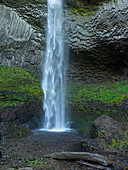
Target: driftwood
<point x="92" y="165"/>
<point x="86" y="156"/>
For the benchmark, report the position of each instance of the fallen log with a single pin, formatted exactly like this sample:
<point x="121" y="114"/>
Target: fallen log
<point x="86" y="156"/>
<point x="91" y="165"/>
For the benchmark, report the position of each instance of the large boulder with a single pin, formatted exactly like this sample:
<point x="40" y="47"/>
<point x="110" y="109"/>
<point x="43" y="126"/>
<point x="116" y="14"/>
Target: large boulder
<point x="96" y="144"/>
<point x="104" y="124"/>
<point x="29" y="114"/>
<point x="108" y="135"/>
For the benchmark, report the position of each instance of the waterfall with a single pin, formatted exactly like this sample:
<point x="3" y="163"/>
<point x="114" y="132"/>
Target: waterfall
<point x="53" y="82"/>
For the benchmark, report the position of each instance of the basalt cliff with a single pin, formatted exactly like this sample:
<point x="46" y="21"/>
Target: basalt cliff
<point x="96" y="33"/>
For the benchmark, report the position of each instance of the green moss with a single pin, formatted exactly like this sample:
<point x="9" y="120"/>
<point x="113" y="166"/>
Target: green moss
<point x="87" y="102"/>
<point x="89" y="10"/>
<point x="100" y="132"/>
<point x="18" y="85"/>
<point x="82" y="10"/>
<point x="75" y="11"/>
<point x="36" y="162"/>
<point x="121" y="87"/>
<point x="120" y="141"/>
<point x="105" y="93"/>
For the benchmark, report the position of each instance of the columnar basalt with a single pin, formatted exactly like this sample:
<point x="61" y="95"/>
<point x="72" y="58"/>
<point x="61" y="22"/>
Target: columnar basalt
<point x="101" y="41"/>
<point x="21" y="44"/>
<point x="97" y="39"/>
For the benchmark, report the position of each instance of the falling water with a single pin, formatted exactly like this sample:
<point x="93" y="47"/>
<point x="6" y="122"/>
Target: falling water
<point x="53" y="82"/>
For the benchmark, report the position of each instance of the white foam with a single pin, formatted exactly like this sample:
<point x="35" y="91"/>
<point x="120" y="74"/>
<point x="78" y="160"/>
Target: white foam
<point x="56" y="130"/>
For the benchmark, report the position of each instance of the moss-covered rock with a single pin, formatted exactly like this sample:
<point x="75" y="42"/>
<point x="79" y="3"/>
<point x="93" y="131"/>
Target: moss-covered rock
<point x="104" y="124"/>
<point x="87" y="102"/>
<point x="108" y="135"/>
<point x="15" y="131"/>
<point x="20" y="96"/>
<point x="107" y="93"/>
<point x="17" y="86"/>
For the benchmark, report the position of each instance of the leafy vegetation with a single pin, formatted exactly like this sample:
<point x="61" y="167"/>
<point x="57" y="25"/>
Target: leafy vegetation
<point x="74" y="11"/>
<point x="18" y="85"/>
<point x="107" y="93"/>
<point x="36" y="162"/>
<point x="119" y="141"/>
<point x="88" y="11"/>
<point x="89" y="101"/>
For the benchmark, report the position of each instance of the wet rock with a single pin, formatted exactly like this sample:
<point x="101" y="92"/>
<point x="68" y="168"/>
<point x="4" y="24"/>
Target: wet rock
<point x="108" y="135"/>
<point x="30" y="113"/>
<point x="103" y="126"/>
<point x="0" y="149"/>
<point x="21" y="43"/>
<point x="94" y="144"/>
<point x="100" y="40"/>
<point x="99" y="28"/>
<point x="8" y="115"/>
<point x="71" y="125"/>
<point x="15" y="131"/>
<point x="125" y="125"/>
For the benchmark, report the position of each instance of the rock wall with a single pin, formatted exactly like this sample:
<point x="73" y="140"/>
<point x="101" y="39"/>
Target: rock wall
<point x="107" y="26"/>
<point x="98" y="39"/>
<point x="21" y="43"/>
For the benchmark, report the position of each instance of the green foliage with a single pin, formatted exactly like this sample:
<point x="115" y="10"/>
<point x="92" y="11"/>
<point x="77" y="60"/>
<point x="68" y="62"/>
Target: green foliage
<point x="114" y="143"/>
<point x="18" y="85"/>
<point x="119" y="141"/>
<point x="89" y="10"/>
<point x="100" y="132"/>
<point x="89" y="101"/>
<point x="75" y="11"/>
<point x="82" y="9"/>
<point x="107" y="93"/>
<point x="121" y="87"/>
<point x="36" y="162"/>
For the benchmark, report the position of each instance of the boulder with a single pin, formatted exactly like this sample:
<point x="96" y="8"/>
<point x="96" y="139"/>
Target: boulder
<point x="16" y="131"/>
<point x="107" y="135"/>
<point x="29" y="113"/>
<point x="103" y="126"/>
<point x="96" y="144"/>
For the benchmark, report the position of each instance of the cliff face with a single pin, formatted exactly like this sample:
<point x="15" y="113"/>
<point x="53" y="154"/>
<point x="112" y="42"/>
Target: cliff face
<point x="101" y="41"/>
<point x="22" y="39"/>
<point x="108" y="26"/>
<point x="96" y="33"/>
